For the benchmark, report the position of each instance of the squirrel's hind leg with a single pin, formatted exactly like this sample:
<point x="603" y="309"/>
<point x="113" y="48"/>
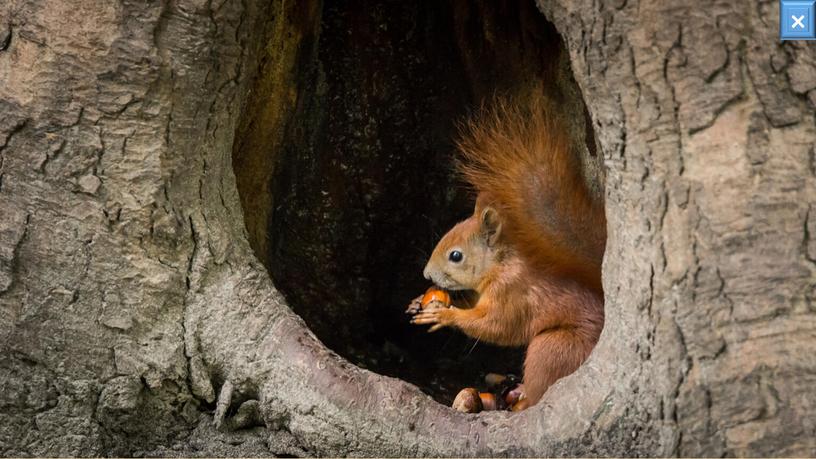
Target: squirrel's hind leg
<point x="551" y="355"/>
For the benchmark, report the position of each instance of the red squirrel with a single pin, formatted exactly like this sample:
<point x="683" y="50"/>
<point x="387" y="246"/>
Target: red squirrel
<point x="531" y="251"/>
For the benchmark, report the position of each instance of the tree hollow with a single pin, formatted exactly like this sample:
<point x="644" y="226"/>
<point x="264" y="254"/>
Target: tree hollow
<point x="344" y="164"/>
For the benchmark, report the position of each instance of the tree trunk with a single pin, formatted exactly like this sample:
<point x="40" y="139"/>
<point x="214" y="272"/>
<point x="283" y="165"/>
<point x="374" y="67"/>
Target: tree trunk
<point x="137" y="319"/>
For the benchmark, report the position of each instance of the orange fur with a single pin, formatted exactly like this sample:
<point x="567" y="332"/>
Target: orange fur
<point x="518" y="158"/>
<point x="539" y="284"/>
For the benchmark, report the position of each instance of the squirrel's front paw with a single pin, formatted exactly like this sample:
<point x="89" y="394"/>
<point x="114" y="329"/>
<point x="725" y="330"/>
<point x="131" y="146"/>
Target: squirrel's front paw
<point x="437" y="317"/>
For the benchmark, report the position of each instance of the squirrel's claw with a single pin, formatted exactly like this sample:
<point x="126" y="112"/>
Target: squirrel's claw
<point x="415" y="306"/>
<point x="427" y="317"/>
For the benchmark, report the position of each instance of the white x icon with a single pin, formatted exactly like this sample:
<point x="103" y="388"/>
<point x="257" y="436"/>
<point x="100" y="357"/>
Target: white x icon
<point x="798" y="21"/>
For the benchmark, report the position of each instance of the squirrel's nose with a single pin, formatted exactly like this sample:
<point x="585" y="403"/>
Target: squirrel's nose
<point x="427" y="273"/>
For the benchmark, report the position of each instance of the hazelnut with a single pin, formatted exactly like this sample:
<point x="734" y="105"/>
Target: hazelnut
<point x="467" y="401"/>
<point x="435" y="298"/>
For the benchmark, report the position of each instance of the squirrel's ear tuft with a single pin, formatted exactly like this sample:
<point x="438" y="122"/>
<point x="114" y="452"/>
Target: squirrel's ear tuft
<point x="490" y="225"/>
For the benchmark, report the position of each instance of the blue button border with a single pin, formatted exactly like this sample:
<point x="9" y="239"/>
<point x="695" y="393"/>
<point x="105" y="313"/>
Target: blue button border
<point x="811" y="6"/>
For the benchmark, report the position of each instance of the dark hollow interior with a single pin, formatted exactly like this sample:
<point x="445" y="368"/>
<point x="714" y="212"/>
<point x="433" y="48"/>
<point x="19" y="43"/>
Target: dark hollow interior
<point x="344" y="164"/>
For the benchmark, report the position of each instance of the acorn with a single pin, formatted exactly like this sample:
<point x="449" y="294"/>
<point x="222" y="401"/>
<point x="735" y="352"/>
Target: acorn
<point x="494" y="379"/>
<point x="520" y="405"/>
<point x="513" y="396"/>
<point x="435" y="298"/>
<point x="468" y="401"/>
<point x="489" y="401"/>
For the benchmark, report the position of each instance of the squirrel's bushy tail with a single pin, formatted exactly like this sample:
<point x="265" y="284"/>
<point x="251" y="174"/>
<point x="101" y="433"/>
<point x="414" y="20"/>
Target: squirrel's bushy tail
<point x="518" y="157"/>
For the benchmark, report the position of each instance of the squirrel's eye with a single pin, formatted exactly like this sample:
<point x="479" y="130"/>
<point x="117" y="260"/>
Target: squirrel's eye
<point x="455" y="256"/>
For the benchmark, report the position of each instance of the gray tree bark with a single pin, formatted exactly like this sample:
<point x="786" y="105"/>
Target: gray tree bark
<point x="136" y="318"/>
